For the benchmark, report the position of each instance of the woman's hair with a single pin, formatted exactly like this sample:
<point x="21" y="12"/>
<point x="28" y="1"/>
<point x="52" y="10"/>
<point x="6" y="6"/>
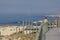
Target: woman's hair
<point x="45" y="17"/>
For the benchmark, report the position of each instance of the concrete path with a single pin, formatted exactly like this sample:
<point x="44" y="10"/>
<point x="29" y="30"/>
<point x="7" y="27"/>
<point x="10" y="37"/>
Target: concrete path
<point x="53" y="34"/>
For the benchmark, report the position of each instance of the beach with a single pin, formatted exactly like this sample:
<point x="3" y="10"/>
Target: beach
<point x="17" y="32"/>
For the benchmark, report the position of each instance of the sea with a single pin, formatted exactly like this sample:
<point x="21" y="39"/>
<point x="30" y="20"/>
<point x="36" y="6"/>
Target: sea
<point x="15" y="18"/>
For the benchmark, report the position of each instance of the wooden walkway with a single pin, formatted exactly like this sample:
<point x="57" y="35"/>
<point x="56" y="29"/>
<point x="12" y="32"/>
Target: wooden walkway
<point x="53" y="34"/>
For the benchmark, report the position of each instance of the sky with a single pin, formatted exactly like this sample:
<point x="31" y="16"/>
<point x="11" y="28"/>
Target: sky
<point x="29" y="6"/>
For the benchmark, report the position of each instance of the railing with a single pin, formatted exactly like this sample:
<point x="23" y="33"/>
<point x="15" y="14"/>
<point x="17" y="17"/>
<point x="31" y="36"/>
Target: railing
<point x="41" y="32"/>
<point x="40" y="35"/>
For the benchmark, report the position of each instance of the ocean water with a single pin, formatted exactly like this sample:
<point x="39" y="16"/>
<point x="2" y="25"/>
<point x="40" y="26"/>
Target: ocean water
<point x="13" y="18"/>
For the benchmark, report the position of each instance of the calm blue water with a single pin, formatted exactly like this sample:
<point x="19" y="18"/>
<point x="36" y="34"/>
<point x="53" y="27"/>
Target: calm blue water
<point x="12" y="18"/>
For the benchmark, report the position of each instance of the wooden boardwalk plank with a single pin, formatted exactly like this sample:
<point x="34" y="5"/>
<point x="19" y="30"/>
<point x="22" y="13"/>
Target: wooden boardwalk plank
<point x="53" y="34"/>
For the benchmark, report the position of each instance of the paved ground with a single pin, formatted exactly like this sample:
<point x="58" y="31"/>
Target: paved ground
<point x="53" y="34"/>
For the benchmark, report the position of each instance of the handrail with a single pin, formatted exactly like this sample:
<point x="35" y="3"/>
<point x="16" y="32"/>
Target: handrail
<point x="39" y="33"/>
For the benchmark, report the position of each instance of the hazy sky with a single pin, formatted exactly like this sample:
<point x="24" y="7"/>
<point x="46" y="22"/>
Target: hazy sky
<point x="29" y="6"/>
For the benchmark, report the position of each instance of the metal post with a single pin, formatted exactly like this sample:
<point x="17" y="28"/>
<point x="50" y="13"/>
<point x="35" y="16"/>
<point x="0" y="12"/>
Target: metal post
<point x="26" y="26"/>
<point x="23" y="25"/>
<point x="29" y="26"/>
<point x="36" y="26"/>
